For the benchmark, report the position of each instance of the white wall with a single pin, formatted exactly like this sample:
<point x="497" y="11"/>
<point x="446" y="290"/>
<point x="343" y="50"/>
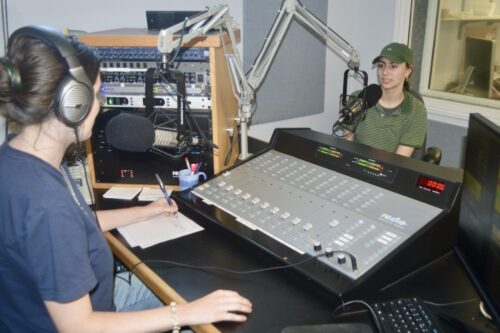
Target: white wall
<point x="349" y="18"/>
<point x="95" y="15"/>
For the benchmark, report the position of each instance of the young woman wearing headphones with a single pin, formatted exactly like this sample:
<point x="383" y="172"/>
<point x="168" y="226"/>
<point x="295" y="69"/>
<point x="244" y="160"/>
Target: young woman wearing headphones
<point x="56" y="269"/>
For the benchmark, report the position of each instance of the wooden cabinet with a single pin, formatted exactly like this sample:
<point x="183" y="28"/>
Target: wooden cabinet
<point x="224" y="106"/>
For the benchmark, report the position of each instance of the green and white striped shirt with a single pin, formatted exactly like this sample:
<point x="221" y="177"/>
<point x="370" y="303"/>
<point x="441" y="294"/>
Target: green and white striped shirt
<point x="406" y="125"/>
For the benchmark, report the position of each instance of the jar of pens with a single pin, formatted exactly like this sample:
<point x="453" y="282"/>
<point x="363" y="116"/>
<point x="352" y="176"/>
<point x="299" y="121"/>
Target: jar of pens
<point x="190" y="176"/>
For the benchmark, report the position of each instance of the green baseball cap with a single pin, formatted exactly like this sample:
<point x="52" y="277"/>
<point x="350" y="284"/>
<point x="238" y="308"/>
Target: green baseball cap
<point x="397" y="53"/>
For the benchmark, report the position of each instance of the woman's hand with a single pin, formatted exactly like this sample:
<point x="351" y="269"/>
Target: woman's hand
<point x="161" y="207"/>
<point x="220" y="305"/>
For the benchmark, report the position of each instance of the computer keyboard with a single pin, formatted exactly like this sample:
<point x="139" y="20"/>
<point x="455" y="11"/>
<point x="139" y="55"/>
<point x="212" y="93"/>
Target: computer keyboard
<point x="406" y="315"/>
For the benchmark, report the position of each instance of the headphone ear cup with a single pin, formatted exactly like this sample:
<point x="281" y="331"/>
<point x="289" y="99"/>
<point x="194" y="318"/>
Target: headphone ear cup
<point x="73" y="101"/>
<point x="12" y="72"/>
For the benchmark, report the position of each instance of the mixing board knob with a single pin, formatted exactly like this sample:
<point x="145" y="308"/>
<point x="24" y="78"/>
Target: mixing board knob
<point x="329" y="252"/>
<point x="317" y="245"/>
<point x="341" y="259"/>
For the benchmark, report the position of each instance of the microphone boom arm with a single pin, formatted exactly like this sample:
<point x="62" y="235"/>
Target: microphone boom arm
<point x="288" y="11"/>
<point x="244" y="85"/>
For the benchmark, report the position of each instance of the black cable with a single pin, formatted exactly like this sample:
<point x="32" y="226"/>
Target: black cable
<point x="471" y="300"/>
<point x="370" y="309"/>
<point x="356" y="123"/>
<point x="226" y="270"/>
<point x="231" y="145"/>
<point x="128" y="281"/>
<point x="198" y="128"/>
<point x="79" y="157"/>
<point x="180" y="44"/>
<point x="336" y="125"/>
<point x="188" y="109"/>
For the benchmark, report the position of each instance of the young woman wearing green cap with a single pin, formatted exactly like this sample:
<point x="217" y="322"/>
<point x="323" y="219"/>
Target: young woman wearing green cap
<point x="397" y="123"/>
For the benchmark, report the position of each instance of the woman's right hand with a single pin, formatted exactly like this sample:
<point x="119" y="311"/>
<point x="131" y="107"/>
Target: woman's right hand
<point x="220" y="305"/>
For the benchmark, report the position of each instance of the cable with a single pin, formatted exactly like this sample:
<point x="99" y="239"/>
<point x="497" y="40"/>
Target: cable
<point x="452" y="303"/>
<point x="180" y="43"/>
<point x="231" y="145"/>
<point x="216" y="268"/>
<point x="372" y="312"/>
<point x="395" y="282"/>
<point x="79" y="157"/>
<point x="6" y="134"/>
<point x="128" y="280"/>
<point x="484" y="312"/>
<point x="226" y="270"/>
<point x="352" y="132"/>
<point x="188" y="108"/>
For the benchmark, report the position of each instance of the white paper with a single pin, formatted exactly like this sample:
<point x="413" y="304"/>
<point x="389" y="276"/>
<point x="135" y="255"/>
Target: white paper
<point x="124" y="193"/>
<point x="157" y="230"/>
<point x="152" y="194"/>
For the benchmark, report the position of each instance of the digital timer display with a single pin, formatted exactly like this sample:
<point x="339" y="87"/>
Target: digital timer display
<point x="430" y="184"/>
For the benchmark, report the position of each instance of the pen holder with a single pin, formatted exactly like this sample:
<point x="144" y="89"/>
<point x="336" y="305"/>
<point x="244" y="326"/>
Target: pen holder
<point x="188" y="180"/>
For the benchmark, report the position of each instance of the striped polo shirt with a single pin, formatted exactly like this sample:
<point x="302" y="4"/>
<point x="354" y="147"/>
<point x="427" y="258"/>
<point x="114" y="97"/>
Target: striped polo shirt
<point x="406" y="125"/>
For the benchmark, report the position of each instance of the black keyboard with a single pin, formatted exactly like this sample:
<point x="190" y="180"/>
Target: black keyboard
<point x="406" y="315"/>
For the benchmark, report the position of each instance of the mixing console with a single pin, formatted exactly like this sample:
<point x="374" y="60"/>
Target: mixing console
<point x="364" y="217"/>
<point x="312" y="210"/>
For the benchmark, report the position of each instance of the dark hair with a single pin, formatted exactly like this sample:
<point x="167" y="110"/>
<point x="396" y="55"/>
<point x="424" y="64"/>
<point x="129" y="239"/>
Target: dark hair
<point x="406" y="84"/>
<point x="41" y="69"/>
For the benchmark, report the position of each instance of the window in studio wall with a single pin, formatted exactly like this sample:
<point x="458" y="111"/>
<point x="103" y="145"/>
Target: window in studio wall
<point x="461" y="54"/>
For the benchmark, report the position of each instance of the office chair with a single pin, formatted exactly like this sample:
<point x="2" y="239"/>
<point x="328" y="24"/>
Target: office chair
<point x="432" y="154"/>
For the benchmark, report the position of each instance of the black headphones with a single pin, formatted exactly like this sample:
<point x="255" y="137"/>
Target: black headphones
<point x="75" y="94"/>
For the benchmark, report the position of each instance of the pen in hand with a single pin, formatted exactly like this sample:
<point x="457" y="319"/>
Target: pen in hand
<point x="162" y="188"/>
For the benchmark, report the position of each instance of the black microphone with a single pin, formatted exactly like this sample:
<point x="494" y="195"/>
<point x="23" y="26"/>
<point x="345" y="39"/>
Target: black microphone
<point x="135" y="133"/>
<point x="356" y="105"/>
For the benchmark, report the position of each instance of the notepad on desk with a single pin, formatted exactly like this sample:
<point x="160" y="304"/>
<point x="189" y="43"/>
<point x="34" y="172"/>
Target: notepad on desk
<point x="129" y="193"/>
<point x="123" y="193"/>
<point x="152" y="194"/>
<point x="157" y="230"/>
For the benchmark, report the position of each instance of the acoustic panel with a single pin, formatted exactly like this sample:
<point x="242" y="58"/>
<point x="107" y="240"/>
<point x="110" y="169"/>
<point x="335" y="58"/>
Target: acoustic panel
<point x="295" y="83"/>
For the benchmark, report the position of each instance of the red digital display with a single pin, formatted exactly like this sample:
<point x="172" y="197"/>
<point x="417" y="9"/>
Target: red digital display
<point x="430" y="184"/>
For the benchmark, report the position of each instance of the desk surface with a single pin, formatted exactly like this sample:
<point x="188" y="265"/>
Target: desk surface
<point x="283" y="298"/>
<point x="280" y="298"/>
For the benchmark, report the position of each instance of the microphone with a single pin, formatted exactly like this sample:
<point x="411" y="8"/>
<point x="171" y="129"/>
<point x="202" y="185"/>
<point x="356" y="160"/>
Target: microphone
<point x="356" y="106"/>
<point x="137" y="134"/>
